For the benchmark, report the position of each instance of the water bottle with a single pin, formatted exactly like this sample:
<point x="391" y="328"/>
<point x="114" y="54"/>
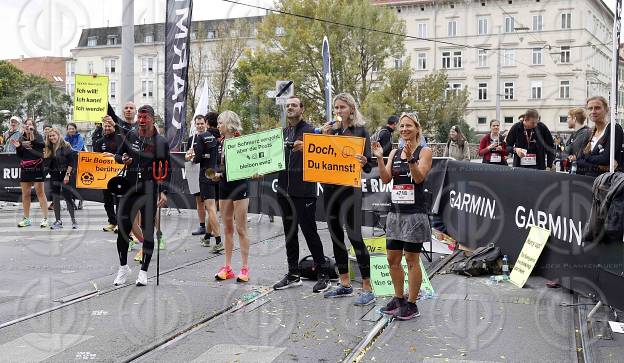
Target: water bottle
<point x="573" y="167"/>
<point x="505" y="265"/>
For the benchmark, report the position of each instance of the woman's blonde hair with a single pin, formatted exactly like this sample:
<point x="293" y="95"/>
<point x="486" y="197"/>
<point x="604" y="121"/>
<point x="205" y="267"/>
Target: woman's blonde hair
<point x="356" y="117"/>
<point x="231" y="121"/>
<point x="50" y="150"/>
<point x="414" y="117"/>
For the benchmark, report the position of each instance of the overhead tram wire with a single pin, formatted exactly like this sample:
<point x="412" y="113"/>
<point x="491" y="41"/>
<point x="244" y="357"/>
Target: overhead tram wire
<point x="312" y="18"/>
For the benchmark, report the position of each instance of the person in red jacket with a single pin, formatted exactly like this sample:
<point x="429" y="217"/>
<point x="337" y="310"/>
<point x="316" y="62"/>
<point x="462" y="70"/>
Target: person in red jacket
<point x="492" y="146"/>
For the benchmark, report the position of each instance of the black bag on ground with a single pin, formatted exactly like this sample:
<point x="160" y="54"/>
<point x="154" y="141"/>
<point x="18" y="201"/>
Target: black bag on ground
<point x="307" y="270"/>
<point x="482" y="261"/>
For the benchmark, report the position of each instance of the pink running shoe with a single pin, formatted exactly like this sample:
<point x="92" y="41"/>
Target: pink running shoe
<point x="225" y="273"/>
<point x="243" y="276"/>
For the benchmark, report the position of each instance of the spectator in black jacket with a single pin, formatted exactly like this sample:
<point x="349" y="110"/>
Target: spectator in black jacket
<point x="200" y="128"/>
<point x="595" y="157"/>
<point x="128" y="123"/>
<point x="140" y="149"/>
<point x="61" y="161"/>
<point x="108" y="145"/>
<point x="578" y="139"/>
<point x="205" y="153"/>
<point x="531" y="143"/>
<point x="385" y="135"/>
<point x="96" y="134"/>
<point x="297" y="201"/>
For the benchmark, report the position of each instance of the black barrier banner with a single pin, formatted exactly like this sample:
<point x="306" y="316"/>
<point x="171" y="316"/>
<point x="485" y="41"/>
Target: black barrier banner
<point x="483" y="203"/>
<point x="177" y="56"/>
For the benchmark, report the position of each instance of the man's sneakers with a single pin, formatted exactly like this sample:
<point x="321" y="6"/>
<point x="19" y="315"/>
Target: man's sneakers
<point x="74" y="225"/>
<point x="243" y="276"/>
<point x="109" y="228"/>
<point x="225" y="273"/>
<point x="199" y="231"/>
<point x="161" y="243"/>
<point x="56" y="225"/>
<point x="44" y="223"/>
<point x="217" y="248"/>
<point x="322" y="284"/>
<point x="364" y="298"/>
<point x="287" y="282"/>
<point x="142" y="278"/>
<point x="340" y="291"/>
<point x="131" y="244"/>
<point x="122" y="275"/>
<point x="205" y="240"/>
<point x="25" y="222"/>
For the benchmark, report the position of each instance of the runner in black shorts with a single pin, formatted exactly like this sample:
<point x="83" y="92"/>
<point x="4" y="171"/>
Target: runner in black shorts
<point x="233" y="203"/>
<point x="407" y="224"/>
<point x="205" y="151"/>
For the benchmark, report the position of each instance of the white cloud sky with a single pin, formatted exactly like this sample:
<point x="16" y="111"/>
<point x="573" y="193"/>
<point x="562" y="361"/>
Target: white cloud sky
<point x="52" y="27"/>
<point x="35" y="28"/>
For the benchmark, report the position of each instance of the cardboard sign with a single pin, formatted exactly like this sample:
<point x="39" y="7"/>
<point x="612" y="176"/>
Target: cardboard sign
<point x="259" y="153"/>
<point x="95" y="170"/>
<point x="532" y="249"/>
<point x="382" y="282"/>
<point x="331" y="159"/>
<point x="90" y="98"/>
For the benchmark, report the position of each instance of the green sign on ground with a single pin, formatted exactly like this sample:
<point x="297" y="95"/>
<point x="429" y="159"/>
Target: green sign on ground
<point x="255" y="154"/>
<point x="382" y="282"/>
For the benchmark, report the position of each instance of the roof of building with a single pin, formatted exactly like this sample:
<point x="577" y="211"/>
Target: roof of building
<point x="157" y="30"/>
<point x="50" y="68"/>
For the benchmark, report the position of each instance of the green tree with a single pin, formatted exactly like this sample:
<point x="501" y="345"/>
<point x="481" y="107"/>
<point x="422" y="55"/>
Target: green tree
<point x="11" y="80"/>
<point x="32" y="96"/>
<point x="439" y="109"/>
<point x="355" y="51"/>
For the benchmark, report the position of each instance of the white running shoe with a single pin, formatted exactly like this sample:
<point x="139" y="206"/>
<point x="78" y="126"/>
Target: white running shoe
<point x="142" y="279"/>
<point x="122" y="275"/>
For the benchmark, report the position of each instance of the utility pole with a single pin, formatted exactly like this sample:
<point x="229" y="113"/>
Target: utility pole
<point x="498" y="75"/>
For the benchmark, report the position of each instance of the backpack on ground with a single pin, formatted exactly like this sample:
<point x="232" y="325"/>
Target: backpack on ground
<point x="307" y="270"/>
<point x="482" y="261"/>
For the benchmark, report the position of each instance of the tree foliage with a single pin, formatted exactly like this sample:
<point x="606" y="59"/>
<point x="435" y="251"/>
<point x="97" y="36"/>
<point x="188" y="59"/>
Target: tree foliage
<point x="32" y="96"/>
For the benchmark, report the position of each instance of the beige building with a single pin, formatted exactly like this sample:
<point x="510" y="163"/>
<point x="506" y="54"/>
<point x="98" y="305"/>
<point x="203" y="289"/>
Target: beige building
<point x="553" y="53"/>
<point x="99" y="52"/>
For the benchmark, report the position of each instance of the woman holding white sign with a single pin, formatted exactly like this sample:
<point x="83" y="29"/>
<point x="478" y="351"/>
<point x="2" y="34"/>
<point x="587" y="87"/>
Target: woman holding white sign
<point x="233" y="203"/>
<point x="407" y="224"/>
<point x="343" y="204"/>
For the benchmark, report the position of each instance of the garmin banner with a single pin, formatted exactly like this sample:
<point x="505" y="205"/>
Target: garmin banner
<point x="177" y="56"/>
<point x="483" y="203"/>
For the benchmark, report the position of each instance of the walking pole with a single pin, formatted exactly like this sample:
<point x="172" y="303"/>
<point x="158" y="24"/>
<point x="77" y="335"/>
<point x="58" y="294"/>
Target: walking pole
<point x="159" y="174"/>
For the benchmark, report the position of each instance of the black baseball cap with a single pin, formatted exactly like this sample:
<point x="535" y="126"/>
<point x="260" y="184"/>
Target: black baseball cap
<point x="147" y="109"/>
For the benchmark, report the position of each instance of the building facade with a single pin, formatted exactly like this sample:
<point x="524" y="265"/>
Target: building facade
<point x="544" y="54"/>
<point x="99" y="52"/>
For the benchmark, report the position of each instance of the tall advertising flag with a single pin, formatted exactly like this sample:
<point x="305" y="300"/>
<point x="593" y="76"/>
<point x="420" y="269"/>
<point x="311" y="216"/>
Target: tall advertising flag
<point x="177" y="56"/>
<point x="327" y="80"/>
